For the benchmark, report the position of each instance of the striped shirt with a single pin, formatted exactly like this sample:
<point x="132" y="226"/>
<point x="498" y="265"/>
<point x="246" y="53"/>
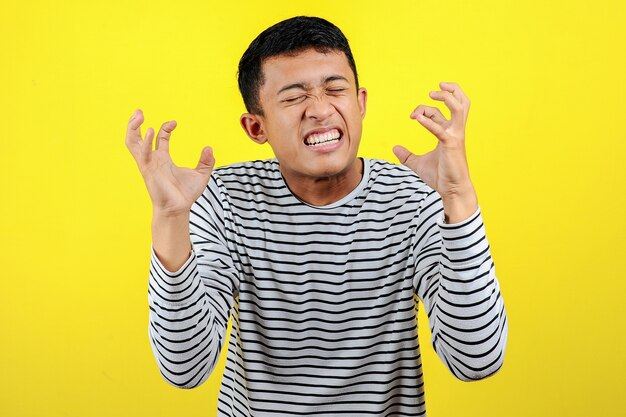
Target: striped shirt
<point x="324" y="299"/>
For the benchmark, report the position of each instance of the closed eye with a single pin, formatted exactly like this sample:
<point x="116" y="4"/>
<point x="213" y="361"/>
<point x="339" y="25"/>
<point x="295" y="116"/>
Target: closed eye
<point x="293" y="99"/>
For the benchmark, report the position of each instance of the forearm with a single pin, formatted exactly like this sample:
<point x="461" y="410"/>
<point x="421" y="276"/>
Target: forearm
<point x="184" y="335"/>
<point x="170" y="239"/>
<point x="190" y="302"/>
<point x="470" y="319"/>
<point x="460" y="204"/>
<point x="456" y="280"/>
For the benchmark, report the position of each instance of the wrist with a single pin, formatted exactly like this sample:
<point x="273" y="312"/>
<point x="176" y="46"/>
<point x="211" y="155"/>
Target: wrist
<point x="459" y="206"/>
<point x="169" y="215"/>
<point x="170" y="239"/>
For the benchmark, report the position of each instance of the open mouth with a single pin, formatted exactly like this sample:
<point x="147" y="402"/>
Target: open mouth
<point x="319" y="139"/>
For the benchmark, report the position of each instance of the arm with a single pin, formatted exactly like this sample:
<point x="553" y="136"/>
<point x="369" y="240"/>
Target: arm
<point x="456" y="281"/>
<point x="455" y="275"/>
<point x="190" y="308"/>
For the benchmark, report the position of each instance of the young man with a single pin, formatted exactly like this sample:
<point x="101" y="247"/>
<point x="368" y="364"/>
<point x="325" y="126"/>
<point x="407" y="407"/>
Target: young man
<point x="319" y="256"/>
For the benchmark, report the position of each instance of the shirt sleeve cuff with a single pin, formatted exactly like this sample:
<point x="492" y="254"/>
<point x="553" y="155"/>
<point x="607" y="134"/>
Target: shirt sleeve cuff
<point x="465" y="242"/>
<point x="175" y="277"/>
<point x="442" y="222"/>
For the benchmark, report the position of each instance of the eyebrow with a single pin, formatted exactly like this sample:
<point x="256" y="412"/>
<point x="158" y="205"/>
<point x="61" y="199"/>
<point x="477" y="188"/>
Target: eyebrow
<point x="303" y="86"/>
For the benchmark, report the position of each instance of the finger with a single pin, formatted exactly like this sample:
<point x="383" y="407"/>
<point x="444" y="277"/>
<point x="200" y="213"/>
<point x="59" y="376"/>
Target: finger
<point x="457" y="92"/>
<point x="455" y="89"/>
<point x="163" y="138"/>
<point x="207" y="161"/>
<point x="455" y="106"/>
<point x="432" y="113"/>
<point x="135" y="120"/>
<point x="432" y="126"/>
<point x="133" y="132"/>
<point x="146" y="145"/>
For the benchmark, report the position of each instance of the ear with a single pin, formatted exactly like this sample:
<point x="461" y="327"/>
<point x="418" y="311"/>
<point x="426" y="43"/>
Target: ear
<point x="253" y="126"/>
<point x="361" y="97"/>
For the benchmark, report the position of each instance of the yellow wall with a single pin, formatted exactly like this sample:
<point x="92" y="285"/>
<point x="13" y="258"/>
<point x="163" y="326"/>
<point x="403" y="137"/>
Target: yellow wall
<point x="546" y="145"/>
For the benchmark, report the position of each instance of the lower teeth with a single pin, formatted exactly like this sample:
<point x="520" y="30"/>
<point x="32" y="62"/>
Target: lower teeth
<point x="328" y="142"/>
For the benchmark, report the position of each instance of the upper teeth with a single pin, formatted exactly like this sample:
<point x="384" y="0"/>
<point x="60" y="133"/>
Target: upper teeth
<point x="322" y="137"/>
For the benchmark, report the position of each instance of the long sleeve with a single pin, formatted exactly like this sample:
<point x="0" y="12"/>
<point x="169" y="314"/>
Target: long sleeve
<point x="456" y="280"/>
<point x="190" y="308"/>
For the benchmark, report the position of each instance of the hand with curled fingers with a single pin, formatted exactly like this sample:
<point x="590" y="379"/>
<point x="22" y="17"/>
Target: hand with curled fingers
<point x="445" y="168"/>
<point x="172" y="189"/>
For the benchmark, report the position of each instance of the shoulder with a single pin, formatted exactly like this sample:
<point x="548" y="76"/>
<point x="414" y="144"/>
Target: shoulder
<point x="246" y="182"/>
<point x="398" y="185"/>
<point x="260" y="169"/>
<point x="252" y="174"/>
<point x="386" y="173"/>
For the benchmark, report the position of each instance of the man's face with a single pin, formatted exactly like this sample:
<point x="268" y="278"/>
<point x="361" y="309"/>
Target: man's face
<point x="312" y="114"/>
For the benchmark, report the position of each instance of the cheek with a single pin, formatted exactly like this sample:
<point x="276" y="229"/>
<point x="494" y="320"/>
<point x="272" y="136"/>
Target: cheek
<point x="283" y="134"/>
<point x="352" y="117"/>
<point x="285" y="122"/>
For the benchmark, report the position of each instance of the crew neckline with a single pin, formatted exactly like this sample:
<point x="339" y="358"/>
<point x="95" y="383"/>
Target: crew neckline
<point x="349" y="197"/>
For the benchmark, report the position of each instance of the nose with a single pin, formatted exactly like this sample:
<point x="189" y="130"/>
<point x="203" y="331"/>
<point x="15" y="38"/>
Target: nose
<point x="319" y="108"/>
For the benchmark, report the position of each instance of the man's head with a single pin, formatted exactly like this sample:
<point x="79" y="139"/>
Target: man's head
<point x="287" y="38"/>
<point x="299" y="82"/>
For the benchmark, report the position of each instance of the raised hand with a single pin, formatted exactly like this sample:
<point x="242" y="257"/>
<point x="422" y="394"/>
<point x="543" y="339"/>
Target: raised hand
<point x="445" y="168"/>
<point x="172" y="189"/>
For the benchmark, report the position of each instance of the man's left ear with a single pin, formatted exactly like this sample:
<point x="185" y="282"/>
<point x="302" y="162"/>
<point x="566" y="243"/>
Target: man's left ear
<point x="252" y="124"/>
<point x="361" y="97"/>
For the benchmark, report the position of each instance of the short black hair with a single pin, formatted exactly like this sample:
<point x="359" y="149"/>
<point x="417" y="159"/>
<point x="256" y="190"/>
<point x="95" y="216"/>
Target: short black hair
<point x="287" y="37"/>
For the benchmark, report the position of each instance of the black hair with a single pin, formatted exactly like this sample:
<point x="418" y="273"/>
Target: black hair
<point x="287" y="37"/>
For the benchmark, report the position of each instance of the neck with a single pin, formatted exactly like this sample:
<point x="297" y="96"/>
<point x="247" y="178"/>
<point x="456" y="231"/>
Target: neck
<point x="325" y="190"/>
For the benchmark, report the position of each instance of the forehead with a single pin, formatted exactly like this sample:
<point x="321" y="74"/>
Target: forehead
<point x="308" y="67"/>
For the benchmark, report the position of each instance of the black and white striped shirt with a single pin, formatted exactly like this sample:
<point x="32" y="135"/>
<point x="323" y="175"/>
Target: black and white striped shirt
<point x="324" y="299"/>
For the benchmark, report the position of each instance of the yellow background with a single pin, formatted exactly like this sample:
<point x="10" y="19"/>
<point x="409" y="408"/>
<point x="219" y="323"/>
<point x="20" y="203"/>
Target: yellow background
<point x="546" y="146"/>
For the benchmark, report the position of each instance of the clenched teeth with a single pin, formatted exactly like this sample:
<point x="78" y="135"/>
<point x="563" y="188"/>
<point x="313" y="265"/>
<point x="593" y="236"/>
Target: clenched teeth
<point x="325" y="138"/>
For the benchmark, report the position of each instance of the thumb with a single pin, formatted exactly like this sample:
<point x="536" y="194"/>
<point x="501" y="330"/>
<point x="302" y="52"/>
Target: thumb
<point x="408" y="158"/>
<point x="405" y="156"/>
<point x="207" y="161"/>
